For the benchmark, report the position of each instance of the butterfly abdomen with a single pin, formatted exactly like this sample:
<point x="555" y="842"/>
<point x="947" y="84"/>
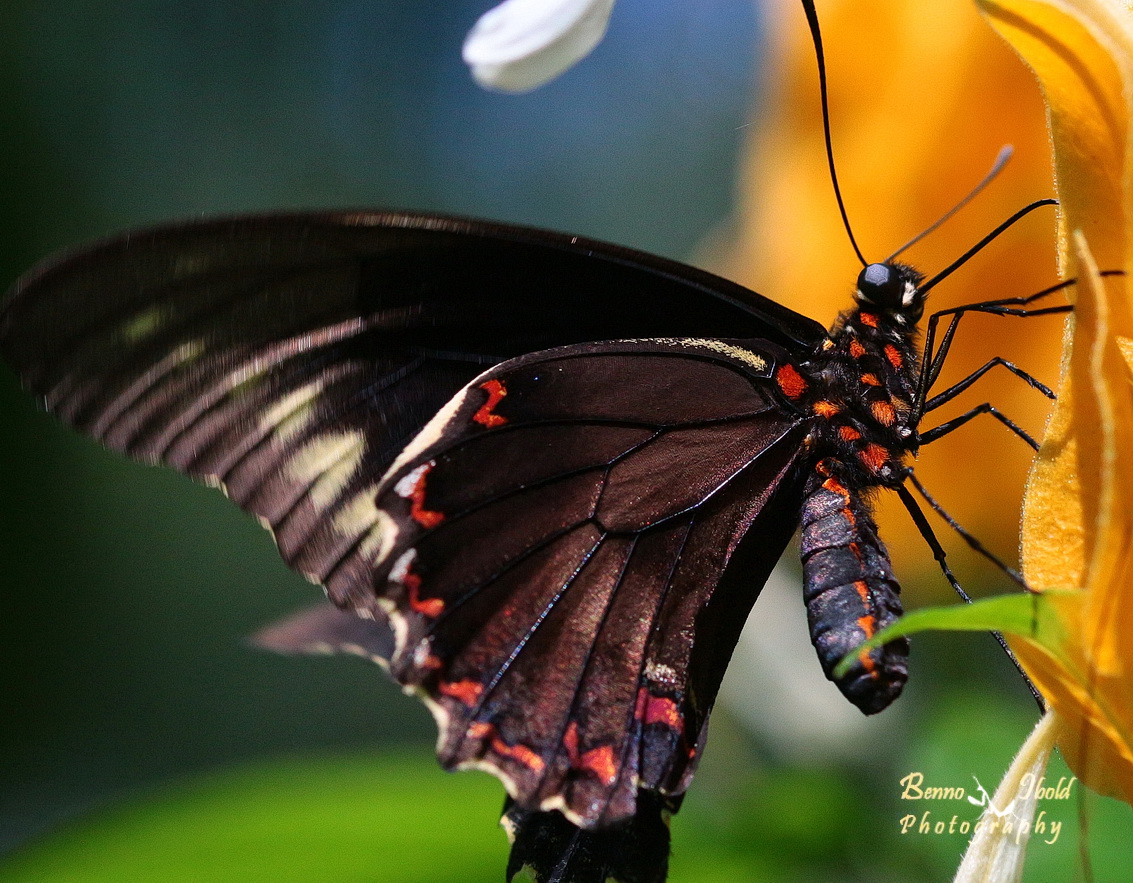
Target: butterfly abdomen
<point x="850" y="591"/>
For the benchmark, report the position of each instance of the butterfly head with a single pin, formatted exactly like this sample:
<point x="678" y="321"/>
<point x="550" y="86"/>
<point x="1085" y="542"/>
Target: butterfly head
<point x="893" y="289"/>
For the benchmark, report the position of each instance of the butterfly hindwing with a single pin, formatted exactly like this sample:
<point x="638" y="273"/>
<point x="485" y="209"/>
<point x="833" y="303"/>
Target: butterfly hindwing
<point x="554" y="539"/>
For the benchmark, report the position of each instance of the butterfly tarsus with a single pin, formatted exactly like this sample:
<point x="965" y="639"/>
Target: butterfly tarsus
<point x="941" y="398"/>
<point x="964" y="533"/>
<point x="948" y="426"/>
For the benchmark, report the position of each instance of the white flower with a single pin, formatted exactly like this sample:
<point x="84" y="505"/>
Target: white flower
<point x="999" y="847"/>
<point x="521" y="44"/>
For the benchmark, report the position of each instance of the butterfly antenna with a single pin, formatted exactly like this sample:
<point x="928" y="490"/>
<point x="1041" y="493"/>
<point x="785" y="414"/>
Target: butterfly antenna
<point x="816" y="37"/>
<point x="1001" y="159"/>
<point x="979" y="246"/>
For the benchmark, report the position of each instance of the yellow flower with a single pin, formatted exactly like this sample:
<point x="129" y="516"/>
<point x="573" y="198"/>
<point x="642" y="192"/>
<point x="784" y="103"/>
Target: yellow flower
<point x="1078" y="512"/>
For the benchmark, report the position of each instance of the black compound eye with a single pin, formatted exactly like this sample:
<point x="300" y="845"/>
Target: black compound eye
<point x="882" y="285"/>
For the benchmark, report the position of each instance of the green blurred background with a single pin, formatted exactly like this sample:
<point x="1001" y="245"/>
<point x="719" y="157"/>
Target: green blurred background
<point x="125" y="592"/>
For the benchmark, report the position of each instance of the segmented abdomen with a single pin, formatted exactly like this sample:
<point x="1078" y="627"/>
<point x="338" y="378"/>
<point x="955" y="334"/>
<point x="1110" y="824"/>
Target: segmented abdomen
<point x="850" y="593"/>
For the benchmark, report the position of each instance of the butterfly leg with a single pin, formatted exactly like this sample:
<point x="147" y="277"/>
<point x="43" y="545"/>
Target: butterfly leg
<point x="943" y="429"/>
<point x="929" y="536"/>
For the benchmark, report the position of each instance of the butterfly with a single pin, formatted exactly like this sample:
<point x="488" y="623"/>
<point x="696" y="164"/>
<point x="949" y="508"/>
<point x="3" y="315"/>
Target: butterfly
<point x="554" y="542"/>
<point x="541" y="478"/>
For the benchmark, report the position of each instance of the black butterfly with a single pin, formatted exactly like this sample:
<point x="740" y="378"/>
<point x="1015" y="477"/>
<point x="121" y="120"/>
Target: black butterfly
<point x="553" y="541"/>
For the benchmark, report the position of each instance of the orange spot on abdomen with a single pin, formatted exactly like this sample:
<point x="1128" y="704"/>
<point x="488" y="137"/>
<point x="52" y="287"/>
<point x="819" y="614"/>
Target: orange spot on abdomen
<point x="874" y="456"/>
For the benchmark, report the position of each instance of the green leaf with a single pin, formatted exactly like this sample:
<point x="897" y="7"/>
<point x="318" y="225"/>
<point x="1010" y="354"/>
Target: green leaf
<point x="1031" y="616"/>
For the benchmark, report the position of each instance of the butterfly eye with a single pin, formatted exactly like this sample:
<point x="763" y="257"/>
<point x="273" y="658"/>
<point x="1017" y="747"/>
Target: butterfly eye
<point x="881" y="285"/>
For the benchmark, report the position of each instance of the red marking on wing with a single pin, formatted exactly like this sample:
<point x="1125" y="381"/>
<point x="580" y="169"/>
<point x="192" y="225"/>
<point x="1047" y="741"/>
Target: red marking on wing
<point x="790" y="381"/>
<point x="427" y="518"/>
<point x="519" y="753"/>
<point x="856" y="349"/>
<point x="874" y="456"/>
<point x="429" y="607"/>
<point x="466" y="691"/>
<point x="884" y="413"/>
<point x="894" y="356"/>
<point x="598" y="761"/>
<point x="658" y="710"/>
<point x="826" y="409"/>
<point x="868" y="319"/>
<point x="496" y="391"/>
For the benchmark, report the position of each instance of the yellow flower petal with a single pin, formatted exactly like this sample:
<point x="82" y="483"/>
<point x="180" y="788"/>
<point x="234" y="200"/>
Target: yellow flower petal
<point x="1078" y="515"/>
<point x="1075" y="51"/>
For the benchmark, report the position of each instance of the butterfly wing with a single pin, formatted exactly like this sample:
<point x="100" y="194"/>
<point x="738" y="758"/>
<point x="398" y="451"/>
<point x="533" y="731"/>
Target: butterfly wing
<point x="551" y="550"/>
<point x="547" y="848"/>
<point x="233" y="349"/>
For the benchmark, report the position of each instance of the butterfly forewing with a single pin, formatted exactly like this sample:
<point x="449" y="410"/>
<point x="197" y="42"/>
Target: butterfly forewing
<point x="291" y="358"/>
<point x="554" y="539"/>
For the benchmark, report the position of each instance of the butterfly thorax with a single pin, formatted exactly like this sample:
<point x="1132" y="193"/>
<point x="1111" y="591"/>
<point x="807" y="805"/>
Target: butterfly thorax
<point x="863" y="382"/>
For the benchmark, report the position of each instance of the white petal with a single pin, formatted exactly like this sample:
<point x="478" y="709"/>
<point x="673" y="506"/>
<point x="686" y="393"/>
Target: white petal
<point x="999" y="846"/>
<point x="521" y="44"/>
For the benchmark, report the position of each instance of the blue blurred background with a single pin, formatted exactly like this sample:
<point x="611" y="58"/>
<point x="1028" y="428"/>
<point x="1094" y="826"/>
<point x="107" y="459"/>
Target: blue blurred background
<point x="125" y="592"/>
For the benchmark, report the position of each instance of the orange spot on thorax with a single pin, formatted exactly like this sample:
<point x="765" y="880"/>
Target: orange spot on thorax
<point x="884" y="413"/>
<point x="790" y="381"/>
